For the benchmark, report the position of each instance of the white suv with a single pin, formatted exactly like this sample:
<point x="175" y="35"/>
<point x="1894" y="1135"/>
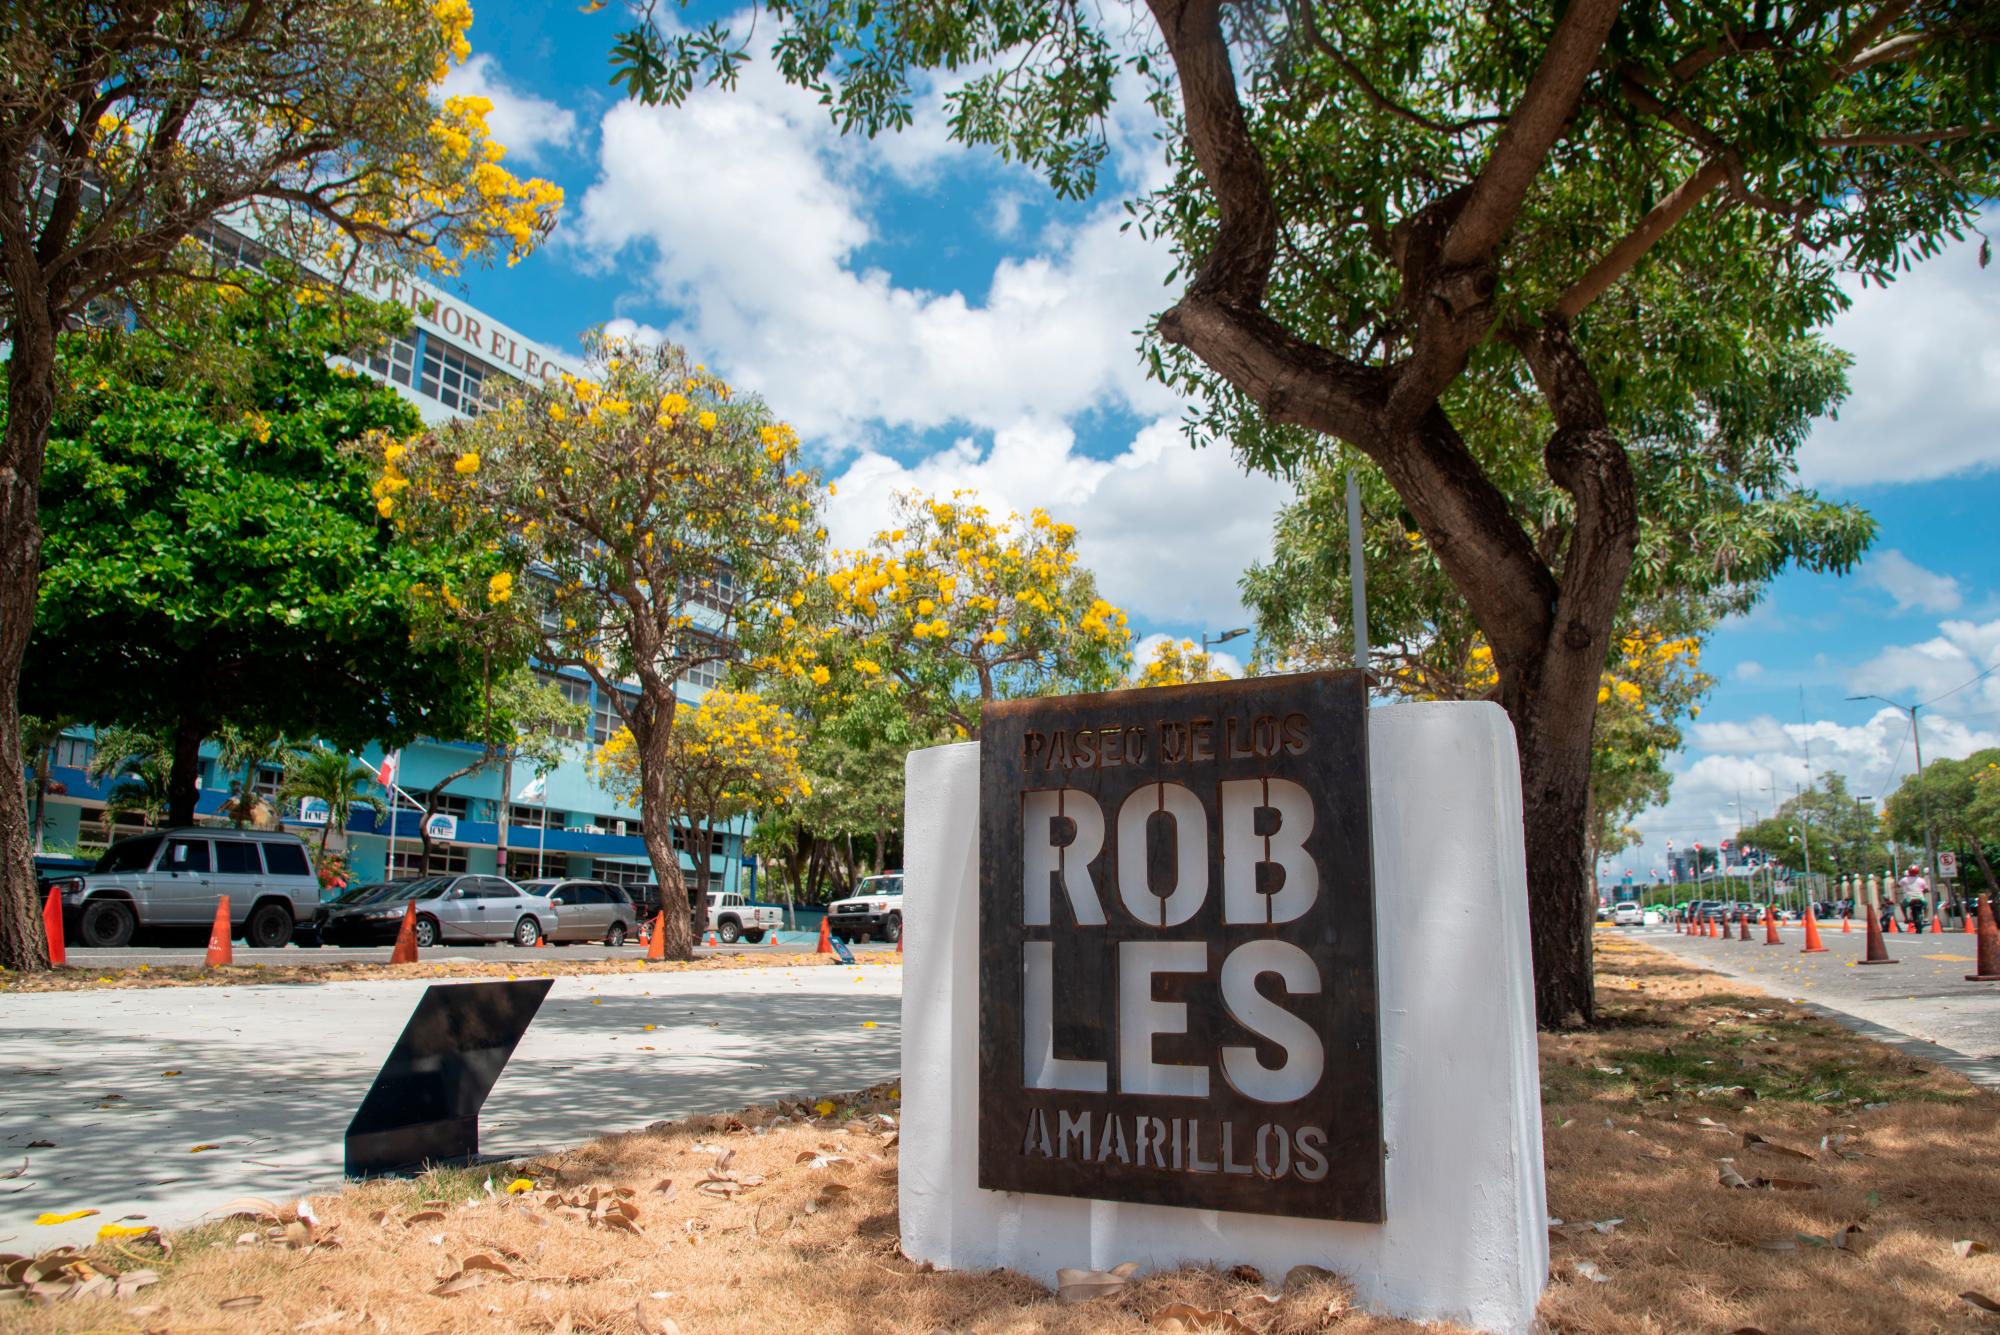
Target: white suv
<point x="876" y="911"/>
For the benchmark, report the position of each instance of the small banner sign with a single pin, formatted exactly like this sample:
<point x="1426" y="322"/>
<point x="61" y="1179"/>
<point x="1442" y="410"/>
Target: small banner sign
<point x="1177" y="948"/>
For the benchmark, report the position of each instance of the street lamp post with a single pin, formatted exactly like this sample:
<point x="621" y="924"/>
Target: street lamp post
<point x="1224" y="638"/>
<point x="1923" y="797"/>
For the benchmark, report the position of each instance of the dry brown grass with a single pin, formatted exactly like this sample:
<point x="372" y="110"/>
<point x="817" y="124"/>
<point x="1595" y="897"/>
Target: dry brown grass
<point x="84" y="979"/>
<point x="1916" y="1174"/>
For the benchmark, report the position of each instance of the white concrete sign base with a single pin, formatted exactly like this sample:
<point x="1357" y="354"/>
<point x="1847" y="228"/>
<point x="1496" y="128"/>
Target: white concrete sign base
<point x="1466" y="1238"/>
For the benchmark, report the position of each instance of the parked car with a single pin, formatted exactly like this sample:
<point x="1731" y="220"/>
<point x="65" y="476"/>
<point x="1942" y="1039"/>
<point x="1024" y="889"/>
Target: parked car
<point x="175" y="878"/>
<point x="314" y="933"/>
<point x="1628" y="914"/>
<point x="876" y="910"/>
<point x="587" y="910"/>
<point x="469" y="908"/>
<point x="733" y="918"/>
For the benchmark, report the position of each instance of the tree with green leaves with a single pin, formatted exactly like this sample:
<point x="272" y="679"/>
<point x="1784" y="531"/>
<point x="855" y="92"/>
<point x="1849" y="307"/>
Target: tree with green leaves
<point x="1380" y="205"/>
<point x="213" y="554"/>
<point x="39" y="735"/>
<point x="657" y="521"/>
<point x="1960" y="801"/>
<point x="320" y="773"/>
<point x="130" y="132"/>
<point x="1828" y="826"/>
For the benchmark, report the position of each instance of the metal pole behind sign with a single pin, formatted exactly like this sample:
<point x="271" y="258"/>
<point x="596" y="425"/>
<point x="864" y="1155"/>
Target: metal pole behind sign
<point x="1357" y="574"/>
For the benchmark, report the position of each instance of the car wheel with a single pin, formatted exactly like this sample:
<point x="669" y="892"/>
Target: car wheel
<point x="892" y="931"/>
<point x="269" y="927"/>
<point x="754" y="936"/>
<point x="107" y="923"/>
<point x="616" y="936"/>
<point x="527" y="932"/>
<point x="427" y="933"/>
<point x="729" y="931"/>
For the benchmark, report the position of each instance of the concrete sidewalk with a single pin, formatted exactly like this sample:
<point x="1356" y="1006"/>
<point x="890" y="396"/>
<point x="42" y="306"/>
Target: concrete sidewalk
<point x="1922" y="1002"/>
<point x="271" y="1075"/>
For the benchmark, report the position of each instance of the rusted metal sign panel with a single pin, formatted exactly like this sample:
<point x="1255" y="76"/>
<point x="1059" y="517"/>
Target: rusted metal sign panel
<point x="1177" y="949"/>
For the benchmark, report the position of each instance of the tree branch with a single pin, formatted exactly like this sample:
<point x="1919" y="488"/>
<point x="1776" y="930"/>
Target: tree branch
<point x="1532" y="129"/>
<point x="1907" y="139"/>
<point x="1620" y="259"/>
<point x="1381" y="100"/>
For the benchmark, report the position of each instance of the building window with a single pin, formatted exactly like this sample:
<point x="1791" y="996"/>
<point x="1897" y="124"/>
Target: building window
<point x="534" y="817"/>
<point x="448" y="804"/>
<point x="396" y="360"/>
<point x="73" y="752"/>
<point x="457" y="379"/>
<point x="605" y="718"/>
<point x="406" y="861"/>
<point x="233" y="250"/>
<point x="266" y="781"/>
<point x="526" y="866"/>
<point x="717" y="590"/>
<point x="705" y="676"/>
<point x="622" y="873"/>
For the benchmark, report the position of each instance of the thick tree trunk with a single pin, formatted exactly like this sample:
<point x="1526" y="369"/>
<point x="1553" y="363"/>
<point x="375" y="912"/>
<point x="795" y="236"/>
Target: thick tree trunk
<point x="184" y="775"/>
<point x="656" y="820"/>
<point x="1555" y="789"/>
<point x="30" y="410"/>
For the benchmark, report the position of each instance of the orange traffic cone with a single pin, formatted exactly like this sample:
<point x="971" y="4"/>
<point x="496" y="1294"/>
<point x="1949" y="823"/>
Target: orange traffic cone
<point x="1937" y="924"/>
<point x="1846" y="922"/>
<point x="825" y="940"/>
<point x="1771" y="937"/>
<point x="1989" y="945"/>
<point x="406" y="937"/>
<point x="52" y="926"/>
<point x="711" y="940"/>
<point x="1812" y="945"/>
<point x="1877" y="952"/>
<point x="219" y="952"/>
<point x="1895" y="927"/>
<point x="1972" y="922"/>
<point x="1742" y="927"/>
<point x="656" y="940"/>
<point x="899" y="943"/>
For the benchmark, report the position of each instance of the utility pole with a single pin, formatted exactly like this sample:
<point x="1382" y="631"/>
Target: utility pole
<point x="1357" y="578"/>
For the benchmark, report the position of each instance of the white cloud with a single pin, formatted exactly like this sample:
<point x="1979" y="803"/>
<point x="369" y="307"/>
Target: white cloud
<point x="1748" y="670"/>
<point x="1927" y="670"/>
<point x="1910" y="584"/>
<point x="1925" y="384"/>
<point x="745" y="212"/>
<point x="1167" y="529"/>
<point x="526" y="124"/>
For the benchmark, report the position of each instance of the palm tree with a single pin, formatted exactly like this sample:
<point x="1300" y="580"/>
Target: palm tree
<point x="38" y="739"/>
<point x="137" y="763"/>
<point x="241" y="754"/>
<point x="331" y="777"/>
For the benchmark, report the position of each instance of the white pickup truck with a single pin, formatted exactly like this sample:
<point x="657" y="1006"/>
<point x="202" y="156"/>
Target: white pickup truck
<point x="876" y="911"/>
<point x="733" y="918"/>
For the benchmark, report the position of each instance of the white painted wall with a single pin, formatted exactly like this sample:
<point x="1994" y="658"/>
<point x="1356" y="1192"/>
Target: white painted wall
<point x="1466" y="1237"/>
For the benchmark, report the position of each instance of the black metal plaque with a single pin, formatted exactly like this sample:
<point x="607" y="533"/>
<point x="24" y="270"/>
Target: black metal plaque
<point x="424" y="1105"/>
<point x="1177" y="948"/>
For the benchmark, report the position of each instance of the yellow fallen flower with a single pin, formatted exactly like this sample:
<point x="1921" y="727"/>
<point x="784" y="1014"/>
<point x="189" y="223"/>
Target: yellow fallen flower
<point x="54" y="1218"/>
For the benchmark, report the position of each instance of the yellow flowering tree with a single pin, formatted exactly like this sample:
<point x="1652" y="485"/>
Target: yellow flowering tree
<point x="1178" y="663"/>
<point x="128" y="133"/>
<point x="655" y="524"/>
<point x="734" y="754"/>
<point x="952" y="608"/>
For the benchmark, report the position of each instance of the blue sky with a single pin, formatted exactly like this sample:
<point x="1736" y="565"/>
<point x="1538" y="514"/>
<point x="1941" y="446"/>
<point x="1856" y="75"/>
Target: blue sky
<point x="933" y="318"/>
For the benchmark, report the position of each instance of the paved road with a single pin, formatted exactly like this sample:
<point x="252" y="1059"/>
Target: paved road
<point x="1923" y="996"/>
<point x="271" y="1075"/>
<point x="128" y="957"/>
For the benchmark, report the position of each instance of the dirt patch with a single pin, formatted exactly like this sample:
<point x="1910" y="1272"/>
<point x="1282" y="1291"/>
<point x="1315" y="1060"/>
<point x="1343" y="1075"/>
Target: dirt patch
<point x="1860" y="1168"/>
<point x="83" y="979"/>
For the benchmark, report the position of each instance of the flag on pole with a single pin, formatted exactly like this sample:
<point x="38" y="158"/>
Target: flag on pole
<point x="385" y="773"/>
<point x="534" y="790"/>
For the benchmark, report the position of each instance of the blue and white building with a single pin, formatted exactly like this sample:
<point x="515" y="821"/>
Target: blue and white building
<point x="448" y="365"/>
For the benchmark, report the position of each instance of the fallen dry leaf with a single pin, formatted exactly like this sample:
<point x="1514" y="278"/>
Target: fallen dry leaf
<point x="1967" y="1247"/>
<point x="1189" y="1318"/>
<point x="1076" y="1286"/>
<point x="1981" y="1301"/>
<point x="242" y="1302"/>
